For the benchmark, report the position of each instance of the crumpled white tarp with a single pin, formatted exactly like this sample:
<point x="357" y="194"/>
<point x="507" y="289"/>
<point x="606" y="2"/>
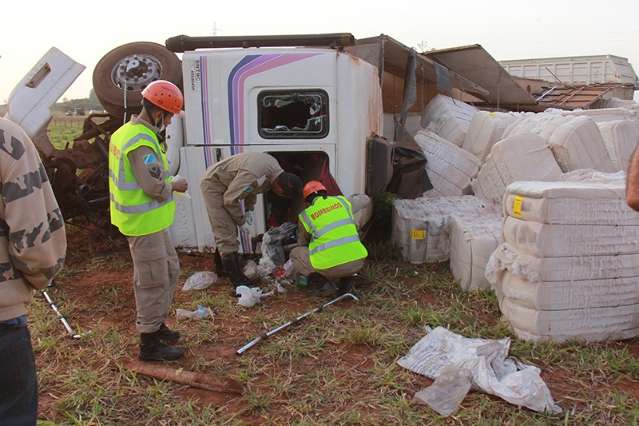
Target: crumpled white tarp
<point x="200" y="281"/>
<point x="441" y="352"/>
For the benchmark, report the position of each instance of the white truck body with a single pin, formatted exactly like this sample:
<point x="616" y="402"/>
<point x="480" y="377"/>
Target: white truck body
<point x="225" y="93"/>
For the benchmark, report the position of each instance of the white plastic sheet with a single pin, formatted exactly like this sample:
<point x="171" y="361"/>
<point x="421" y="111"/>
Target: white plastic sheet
<point x="442" y="352"/>
<point x="200" y="281"/>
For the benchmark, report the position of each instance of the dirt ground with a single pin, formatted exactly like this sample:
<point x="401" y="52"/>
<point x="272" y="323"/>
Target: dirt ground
<point x="339" y="367"/>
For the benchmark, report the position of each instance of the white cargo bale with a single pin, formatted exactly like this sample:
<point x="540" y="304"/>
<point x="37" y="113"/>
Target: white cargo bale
<point x="420" y="226"/>
<point x="449" y="167"/>
<point x="602" y="115"/>
<point x="589" y="324"/>
<point x="519" y="157"/>
<point x="542" y="124"/>
<point x="560" y="295"/>
<point x="472" y="241"/>
<point x="578" y="144"/>
<point x="486" y="129"/>
<point x="587" y="202"/>
<point x="448" y="117"/>
<point x="620" y="139"/>
<point x="574" y="268"/>
<point x="545" y="240"/>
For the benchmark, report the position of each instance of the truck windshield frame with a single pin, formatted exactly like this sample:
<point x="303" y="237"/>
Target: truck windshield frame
<point x="293" y="114"/>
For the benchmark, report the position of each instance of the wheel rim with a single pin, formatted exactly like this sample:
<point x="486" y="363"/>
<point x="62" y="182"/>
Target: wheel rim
<point x="136" y="71"/>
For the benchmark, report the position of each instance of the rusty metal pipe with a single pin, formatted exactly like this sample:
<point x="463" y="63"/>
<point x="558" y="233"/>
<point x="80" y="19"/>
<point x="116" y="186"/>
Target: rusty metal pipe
<point x="183" y="43"/>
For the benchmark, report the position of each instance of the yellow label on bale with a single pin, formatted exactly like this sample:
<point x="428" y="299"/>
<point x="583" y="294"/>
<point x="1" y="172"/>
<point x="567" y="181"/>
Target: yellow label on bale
<point x="517" y="202"/>
<point x="418" y="234"/>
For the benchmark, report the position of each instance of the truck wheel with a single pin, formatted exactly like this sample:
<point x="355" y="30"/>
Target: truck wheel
<point x="134" y="66"/>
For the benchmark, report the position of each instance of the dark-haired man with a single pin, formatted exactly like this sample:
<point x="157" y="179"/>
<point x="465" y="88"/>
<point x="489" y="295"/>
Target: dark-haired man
<point x="230" y="190"/>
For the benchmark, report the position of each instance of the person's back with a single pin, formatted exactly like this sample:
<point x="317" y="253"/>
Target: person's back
<point x="328" y="227"/>
<point x="32" y="250"/>
<point x="334" y="237"/>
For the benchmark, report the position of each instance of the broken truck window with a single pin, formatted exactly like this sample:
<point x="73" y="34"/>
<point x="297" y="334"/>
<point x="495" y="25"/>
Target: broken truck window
<point x="293" y="114"/>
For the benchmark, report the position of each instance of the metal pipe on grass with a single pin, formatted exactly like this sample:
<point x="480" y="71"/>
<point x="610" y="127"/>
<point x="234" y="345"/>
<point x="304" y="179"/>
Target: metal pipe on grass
<point x="295" y="320"/>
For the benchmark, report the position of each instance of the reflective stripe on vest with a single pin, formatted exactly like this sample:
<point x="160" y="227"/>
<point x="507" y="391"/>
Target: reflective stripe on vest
<point x="334" y="243"/>
<point x="132" y="210"/>
<point x="334" y="237"/>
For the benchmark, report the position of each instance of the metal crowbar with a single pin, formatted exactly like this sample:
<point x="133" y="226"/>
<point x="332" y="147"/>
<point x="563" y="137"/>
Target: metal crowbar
<point x="287" y="324"/>
<point x="63" y="319"/>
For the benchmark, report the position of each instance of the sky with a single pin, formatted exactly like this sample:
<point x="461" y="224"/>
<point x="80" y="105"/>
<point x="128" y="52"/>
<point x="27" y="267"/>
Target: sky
<point x="86" y="30"/>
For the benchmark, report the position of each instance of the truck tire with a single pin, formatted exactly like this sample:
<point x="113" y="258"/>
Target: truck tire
<point x="134" y="65"/>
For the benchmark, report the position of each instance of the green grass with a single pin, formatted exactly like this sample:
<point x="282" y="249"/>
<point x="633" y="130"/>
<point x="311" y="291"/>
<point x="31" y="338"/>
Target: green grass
<point x="338" y="367"/>
<point x="63" y="130"/>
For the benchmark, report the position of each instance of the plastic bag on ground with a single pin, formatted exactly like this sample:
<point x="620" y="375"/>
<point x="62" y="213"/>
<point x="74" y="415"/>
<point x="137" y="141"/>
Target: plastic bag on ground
<point x="447" y="392"/>
<point x="249" y="297"/>
<point x="200" y="281"/>
<point x="200" y="313"/>
<point x="492" y="371"/>
<point x="250" y="270"/>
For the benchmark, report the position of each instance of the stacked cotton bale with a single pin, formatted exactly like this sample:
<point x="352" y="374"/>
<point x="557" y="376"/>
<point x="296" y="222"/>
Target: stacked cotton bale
<point x="569" y="264"/>
<point x="420" y="226"/>
<point x="602" y="115"/>
<point x="448" y="118"/>
<point x="620" y="139"/>
<point x="472" y="241"/>
<point x="449" y="167"/>
<point x="486" y="129"/>
<point x="524" y="156"/>
<point x="577" y="144"/>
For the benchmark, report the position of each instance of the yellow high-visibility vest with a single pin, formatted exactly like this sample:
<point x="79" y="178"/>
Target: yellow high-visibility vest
<point x="132" y="211"/>
<point x="334" y="237"/>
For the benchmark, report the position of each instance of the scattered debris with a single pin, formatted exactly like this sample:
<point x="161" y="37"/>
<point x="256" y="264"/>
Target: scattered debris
<point x="250" y="270"/>
<point x="200" y="281"/>
<point x="443" y="356"/>
<point x="190" y="378"/>
<point x="201" y="312"/>
<point x="249" y="297"/>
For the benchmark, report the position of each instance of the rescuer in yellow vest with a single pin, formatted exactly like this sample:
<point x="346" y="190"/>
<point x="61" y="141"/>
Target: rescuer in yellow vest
<point x="334" y="250"/>
<point x="142" y="207"/>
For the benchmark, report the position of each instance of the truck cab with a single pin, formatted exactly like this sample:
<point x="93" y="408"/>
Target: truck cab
<point x="311" y="108"/>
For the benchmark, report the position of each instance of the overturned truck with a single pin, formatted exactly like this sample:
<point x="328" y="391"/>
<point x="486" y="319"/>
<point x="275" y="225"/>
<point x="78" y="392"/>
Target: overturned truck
<point x="321" y="104"/>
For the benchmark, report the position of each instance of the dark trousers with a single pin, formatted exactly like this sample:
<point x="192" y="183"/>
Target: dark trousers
<point x="18" y="383"/>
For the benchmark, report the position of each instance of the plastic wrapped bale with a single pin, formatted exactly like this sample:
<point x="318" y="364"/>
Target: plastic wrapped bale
<point x="519" y="157"/>
<point x="449" y="167"/>
<point x="420" y="226"/>
<point x="601" y="115"/>
<point x="486" y="129"/>
<point x="570" y="260"/>
<point x="583" y="198"/>
<point x="620" y="139"/>
<point x="448" y="117"/>
<point x="578" y="144"/>
<point x="542" y="124"/>
<point x="563" y="298"/>
<point x="472" y="241"/>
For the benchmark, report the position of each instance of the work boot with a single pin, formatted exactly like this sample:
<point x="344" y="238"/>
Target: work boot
<point x="219" y="267"/>
<point x="344" y="285"/>
<point x="152" y="348"/>
<point x="167" y="335"/>
<point x="231" y="263"/>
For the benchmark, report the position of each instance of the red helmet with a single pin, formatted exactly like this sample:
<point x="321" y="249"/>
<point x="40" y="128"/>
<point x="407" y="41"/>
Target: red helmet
<point x="165" y="95"/>
<point x="313" y="186"/>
